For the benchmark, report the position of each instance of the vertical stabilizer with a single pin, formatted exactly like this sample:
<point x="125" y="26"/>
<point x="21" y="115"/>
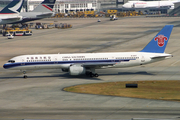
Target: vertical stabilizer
<point x="14" y="7"/>
<point x="159" y="42"/>
<point x="45" y="6"/>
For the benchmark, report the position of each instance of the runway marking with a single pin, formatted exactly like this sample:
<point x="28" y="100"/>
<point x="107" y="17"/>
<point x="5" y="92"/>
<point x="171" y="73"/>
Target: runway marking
<point x="175" y="62"/>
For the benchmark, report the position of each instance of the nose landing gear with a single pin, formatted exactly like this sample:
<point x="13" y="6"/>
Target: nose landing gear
<point x="24" y="73"/>
<point x="25" y="76"/>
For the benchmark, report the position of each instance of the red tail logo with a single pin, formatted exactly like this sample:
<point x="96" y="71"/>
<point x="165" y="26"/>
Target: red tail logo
<point x="161" y="39"/>
<point x="47" y="7"/>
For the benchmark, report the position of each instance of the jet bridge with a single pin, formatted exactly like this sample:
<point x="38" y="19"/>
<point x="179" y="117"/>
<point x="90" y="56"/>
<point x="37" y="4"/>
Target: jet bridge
<point x="176" y="10"/>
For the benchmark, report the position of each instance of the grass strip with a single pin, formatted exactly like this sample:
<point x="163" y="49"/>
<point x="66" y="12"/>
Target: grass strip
<point x="159" y="90"/>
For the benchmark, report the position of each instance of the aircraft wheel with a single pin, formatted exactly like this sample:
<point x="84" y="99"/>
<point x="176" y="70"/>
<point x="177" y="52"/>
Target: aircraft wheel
<point x="87" y="73"/>
<point x="96" y="75"/>
<point x="25" y="76"/>
<point x="91" y="74"/>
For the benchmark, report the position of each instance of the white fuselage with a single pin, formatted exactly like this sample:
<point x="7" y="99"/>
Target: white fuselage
<point x="149" y="4"/>
<point x="64" y="61"/>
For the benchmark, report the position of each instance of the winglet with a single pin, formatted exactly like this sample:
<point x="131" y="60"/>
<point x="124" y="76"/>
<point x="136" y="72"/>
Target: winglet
<point x="159" y="42"/>
<point x="13" y="7"/>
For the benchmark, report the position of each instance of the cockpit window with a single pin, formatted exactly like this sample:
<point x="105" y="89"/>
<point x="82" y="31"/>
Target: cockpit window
<point x="11" y="61"/>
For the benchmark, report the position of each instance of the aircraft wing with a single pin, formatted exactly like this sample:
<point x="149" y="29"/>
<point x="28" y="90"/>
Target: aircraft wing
<point x="99" y="64"/>
<point x="12" y="19"/>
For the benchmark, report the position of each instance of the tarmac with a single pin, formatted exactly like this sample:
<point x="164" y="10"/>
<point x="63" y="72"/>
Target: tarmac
<point x="41" y="95"/>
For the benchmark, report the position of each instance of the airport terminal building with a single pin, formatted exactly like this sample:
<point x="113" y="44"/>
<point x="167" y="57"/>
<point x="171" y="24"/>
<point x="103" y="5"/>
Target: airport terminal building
<point x="67" y="5"/>
<point x="64" y="6"/>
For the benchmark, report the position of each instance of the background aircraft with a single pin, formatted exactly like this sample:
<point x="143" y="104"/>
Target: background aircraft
<point x="43" y="10"/>
<point x="86" y="63"/>
<point x="11" y="12"/>
<point x="150" y="4"/>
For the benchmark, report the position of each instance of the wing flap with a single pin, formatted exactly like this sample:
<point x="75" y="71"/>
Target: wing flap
<point x="99" y="64"/>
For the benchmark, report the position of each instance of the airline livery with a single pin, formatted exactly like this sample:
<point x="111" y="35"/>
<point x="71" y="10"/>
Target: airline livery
<point x="86" y="63"/>
<point x="11" y="12"/>
<point x="43" y="10"/>
<point x="150" y="4"/>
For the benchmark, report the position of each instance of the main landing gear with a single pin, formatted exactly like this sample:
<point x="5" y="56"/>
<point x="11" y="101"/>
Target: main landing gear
<point x="92" y="74"/>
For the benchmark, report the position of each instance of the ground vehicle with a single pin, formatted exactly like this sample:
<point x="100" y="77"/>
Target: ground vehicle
<point x="9" y="36"/>
<point x="27" y="33"/>
<point x="63" y="25"/>
<point x="113" y="17"/>
<point x="17" y="32"/>
<point x="44" y="25"/>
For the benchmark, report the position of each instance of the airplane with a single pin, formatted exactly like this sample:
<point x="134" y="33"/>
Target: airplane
<point x="149" y="4"/>
<point x="11" y="12"/>
<point x="43" y="10"/>
<point x="86" y="63"/>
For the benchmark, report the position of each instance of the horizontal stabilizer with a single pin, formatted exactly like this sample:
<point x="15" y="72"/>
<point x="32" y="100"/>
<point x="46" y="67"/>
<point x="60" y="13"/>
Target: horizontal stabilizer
<point x="44" y="15"/>
<point x="161" y="57"/>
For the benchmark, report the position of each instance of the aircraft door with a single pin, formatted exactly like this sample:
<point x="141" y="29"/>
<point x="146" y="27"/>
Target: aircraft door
<point x="23" y="61"/>
<point x="113" y="60"/>
<point x="142" y="59"/>
<point x="55" y="60"/>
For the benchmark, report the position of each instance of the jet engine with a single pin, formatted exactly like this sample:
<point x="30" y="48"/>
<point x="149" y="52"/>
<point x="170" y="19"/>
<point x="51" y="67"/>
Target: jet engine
<point x="77" y="70"/>
<point x="65" y="70"/>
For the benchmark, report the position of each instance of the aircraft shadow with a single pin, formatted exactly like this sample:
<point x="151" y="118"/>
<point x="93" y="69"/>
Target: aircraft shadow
<point x="135" y="73"/>
<point x="15" y="77"/>
<point x="79" y="77"/>
<point x="130" y="73"/>
<point x="66" y="76"/>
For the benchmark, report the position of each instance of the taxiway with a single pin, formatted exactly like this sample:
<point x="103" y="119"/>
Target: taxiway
<point x="41" y="96"/>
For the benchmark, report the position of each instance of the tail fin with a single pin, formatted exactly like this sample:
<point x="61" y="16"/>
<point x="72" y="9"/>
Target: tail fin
<point x="45" y="6"/>
<point x="14" y="7"/>
<point x="159" y="42"/>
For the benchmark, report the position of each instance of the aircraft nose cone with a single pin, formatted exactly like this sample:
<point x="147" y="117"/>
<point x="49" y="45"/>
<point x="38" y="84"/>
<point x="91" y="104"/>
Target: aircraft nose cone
<point x="126" y="5"/>
<point x="5" y="66"/>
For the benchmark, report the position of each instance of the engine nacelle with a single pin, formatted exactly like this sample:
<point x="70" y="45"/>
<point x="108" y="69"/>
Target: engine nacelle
<point x="77" y="70"/>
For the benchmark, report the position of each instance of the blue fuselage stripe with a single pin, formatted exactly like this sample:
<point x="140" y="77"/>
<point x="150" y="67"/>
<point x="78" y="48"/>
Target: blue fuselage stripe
<point x="12" y="65"/>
